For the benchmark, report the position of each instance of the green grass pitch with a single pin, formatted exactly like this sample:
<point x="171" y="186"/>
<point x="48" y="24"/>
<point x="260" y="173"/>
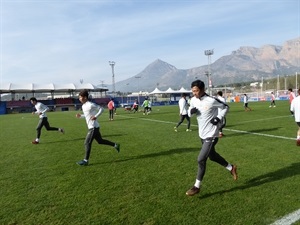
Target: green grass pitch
<point x="146" y="182"/>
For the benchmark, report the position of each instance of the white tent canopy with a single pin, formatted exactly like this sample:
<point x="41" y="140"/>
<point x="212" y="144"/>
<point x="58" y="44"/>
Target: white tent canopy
<point x="51" y="87"/>
<point x="183" y="90"/>
<point x="170" y="91"/>
<point x="157" y="91"/>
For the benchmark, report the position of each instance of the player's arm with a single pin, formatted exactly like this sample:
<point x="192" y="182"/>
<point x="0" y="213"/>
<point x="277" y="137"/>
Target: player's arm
<point x="223" y="108"/>
<point x="292" y="108"/>
<point x="78" y="115"/>
<point x="193" y="109"/>
<point x="41" y="109"/>
<point x="181" y="107"/>
<point x="100" y="111"/>
<point x="44" y="109"/>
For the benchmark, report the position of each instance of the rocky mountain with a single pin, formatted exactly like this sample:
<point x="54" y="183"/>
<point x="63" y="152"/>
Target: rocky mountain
<point x="242" y="65"/>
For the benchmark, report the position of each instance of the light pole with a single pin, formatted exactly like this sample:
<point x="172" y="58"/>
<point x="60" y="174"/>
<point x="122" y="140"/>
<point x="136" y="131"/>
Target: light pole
<point x="209" y="53"/>
<point x="296" y="81"/>
<point x="138" y="77"/>
<point x="262" y="86"/>
<point x="285" y="82"/>
<point x="112" y="64"/>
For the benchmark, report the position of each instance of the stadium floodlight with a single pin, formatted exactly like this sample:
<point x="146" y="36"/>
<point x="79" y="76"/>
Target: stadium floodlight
<point x="296" y="81"/>
<point x="209" y="53"/>
<point x="285" y="82"/>
<point x="138" y="77"/>
<point x="112" y="64"/>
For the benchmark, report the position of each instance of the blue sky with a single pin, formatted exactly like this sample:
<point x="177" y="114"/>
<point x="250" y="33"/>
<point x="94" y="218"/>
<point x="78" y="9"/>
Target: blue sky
<point x="63" y="41"/>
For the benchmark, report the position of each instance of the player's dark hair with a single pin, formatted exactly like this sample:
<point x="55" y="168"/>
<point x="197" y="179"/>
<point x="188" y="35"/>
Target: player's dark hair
<point x="290" y="89"/>
<point x="220" y="93"/>
<point x="84" y="93"/>
<point x="33" y="99"/>
<point x="198" y="83"/>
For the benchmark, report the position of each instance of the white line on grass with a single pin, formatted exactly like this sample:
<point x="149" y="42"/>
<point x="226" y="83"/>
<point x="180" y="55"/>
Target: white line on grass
<point x="232" y="130"/>
<point x="259" y="134"/>
<point x="264" y="119"/>
<point x="288" y="219"/>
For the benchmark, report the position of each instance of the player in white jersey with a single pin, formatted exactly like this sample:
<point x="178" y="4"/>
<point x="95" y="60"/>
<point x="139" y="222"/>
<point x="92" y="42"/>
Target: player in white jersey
<point x="295" y="110"/>
<point x="208" y="115"/>
<point x="91" y="111"/>
<point x="183" y="112"/>
<point x="41" y="110"/>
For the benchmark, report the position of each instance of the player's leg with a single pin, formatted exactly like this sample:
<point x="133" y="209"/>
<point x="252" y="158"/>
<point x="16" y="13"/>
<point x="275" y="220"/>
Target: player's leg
<point x="202" y="159"/>
<point x="298" y="134"/>
<point x="88" y="147"/>
<point x="88" y="143"/>
<point x="216" y="157"/>
<point x="180" y="121"/>
<point x="188" y="122"/>
<point x="47" y="125"/>
<point x="38" y="131"/>
<point x="101" y="141"/>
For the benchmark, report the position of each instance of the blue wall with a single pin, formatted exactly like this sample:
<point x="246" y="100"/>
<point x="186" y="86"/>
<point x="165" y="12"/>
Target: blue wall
<point x="2" y="108"/>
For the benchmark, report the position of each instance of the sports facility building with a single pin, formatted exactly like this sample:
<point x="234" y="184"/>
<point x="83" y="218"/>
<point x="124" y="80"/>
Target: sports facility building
<point x="14" y="98"/>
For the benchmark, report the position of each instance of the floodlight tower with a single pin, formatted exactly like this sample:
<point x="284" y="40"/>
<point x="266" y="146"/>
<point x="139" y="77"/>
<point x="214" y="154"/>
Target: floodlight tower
<point x="112" y="64"/>
<point x="209" y="53"/>
<point x="138" y="77"/>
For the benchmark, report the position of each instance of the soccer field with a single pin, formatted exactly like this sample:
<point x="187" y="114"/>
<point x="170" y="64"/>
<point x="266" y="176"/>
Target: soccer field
<point x="146" y="182"/>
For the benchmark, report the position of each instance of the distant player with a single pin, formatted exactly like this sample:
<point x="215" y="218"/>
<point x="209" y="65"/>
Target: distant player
<point x="111" y="107"/>
<point x="41" y="110"/>
<point x="291" y="95"/>
<point x="272" y="100"/>
<point x="183" y="112"/>
<point x="295" y="110"/>
<point x="135" y="106"/>
<point x="246" y="107"/>
<point x="146" y="106"/>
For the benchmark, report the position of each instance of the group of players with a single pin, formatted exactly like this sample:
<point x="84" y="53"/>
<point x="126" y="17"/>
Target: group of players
<point x="209" y="111"/>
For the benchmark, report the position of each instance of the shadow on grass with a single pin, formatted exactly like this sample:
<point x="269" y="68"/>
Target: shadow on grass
<point x="82" y="139"/>
<point x="152" y="155"/>
<point x="283" y="173"/>
<point x="117" y="119"/>
<point x="70" y="140"/>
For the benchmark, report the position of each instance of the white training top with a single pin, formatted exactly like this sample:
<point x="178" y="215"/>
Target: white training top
<point x="295" y="107"/>
<point x="221" y="99"/>
<point x="183" y="106"/>
<point x="208" y="108"/>
<point x="245" y="99"/>
<point x="41" y="108"/>
<point x="89" y="110"/>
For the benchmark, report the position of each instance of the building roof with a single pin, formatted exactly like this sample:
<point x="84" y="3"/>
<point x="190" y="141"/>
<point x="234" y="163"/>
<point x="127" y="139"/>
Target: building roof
<point x="51" y="87"/>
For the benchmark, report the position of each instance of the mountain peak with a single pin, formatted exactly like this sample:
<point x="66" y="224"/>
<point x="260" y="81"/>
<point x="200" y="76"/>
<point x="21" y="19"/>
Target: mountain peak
<point x="246" y="63"/>
<point x="158" y="67"/>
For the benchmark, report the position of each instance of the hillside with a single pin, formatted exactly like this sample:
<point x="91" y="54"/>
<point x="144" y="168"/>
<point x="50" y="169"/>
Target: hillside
<point x="242" y="65"/>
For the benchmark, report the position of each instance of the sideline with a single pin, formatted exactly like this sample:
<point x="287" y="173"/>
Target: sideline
<point x="271" y="118"/>
<point x="288" y="219"/>
<point x="259" y="134"/>
<point x="232" y="130"/>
